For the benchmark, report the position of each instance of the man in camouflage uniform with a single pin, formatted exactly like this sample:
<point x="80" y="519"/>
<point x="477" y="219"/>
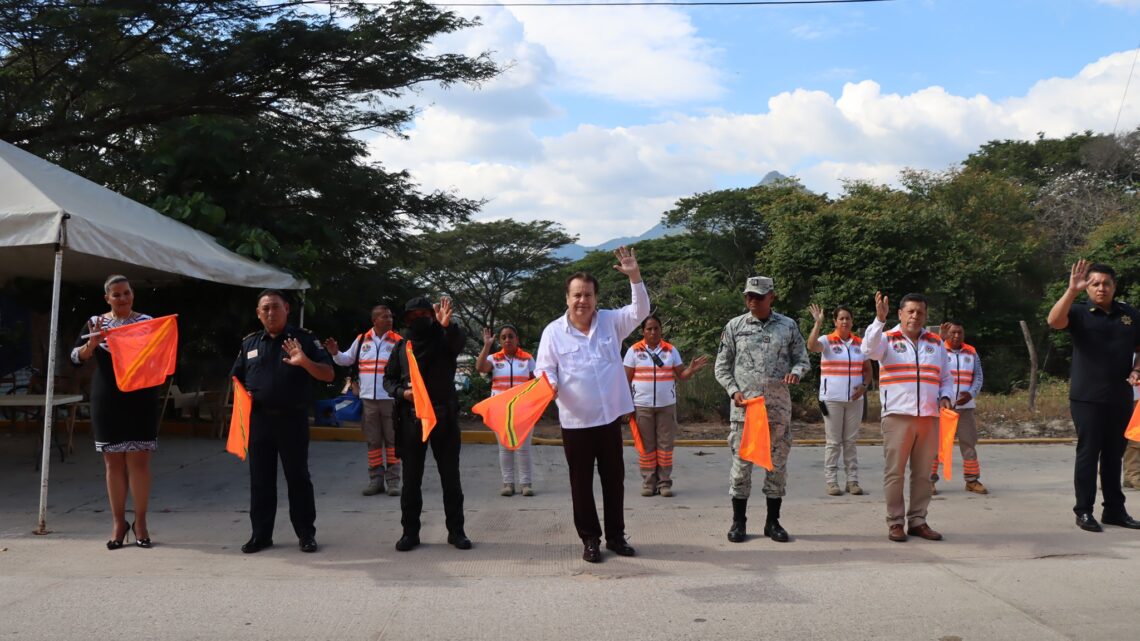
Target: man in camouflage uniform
<point x="761" y="353"/>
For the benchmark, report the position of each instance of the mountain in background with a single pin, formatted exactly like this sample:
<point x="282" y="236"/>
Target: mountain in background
<point x="574" y="251"/>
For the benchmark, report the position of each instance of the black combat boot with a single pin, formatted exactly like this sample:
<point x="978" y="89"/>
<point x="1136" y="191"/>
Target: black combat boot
<point x="772" y="527"/>
<point x="737" y="533"/>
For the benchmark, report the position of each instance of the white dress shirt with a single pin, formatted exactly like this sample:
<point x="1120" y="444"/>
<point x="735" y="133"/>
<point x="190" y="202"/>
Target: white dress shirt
<point x="586" y="369"/>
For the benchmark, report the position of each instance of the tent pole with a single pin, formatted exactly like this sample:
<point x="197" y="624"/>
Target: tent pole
<point x="301" y="323"/>
<point x="49" y="376"/>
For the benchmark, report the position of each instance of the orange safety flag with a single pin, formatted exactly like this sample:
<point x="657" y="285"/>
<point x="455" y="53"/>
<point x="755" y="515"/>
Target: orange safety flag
<point x="756" y="441"/>
<point x="238" y="441"/>
<point x="636" y="435"/>
<point x="947" y="428"/>
<point x="1132" y="433"/>
<point x="144" y="353"/>
<point x="424" y="411"/>
<point x="511" y="414"/>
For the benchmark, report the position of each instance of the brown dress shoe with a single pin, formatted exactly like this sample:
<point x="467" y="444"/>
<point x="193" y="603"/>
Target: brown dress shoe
<point x="976" y="487"/>
<point x="896" y="533"/>
<point x="925" y="532"/>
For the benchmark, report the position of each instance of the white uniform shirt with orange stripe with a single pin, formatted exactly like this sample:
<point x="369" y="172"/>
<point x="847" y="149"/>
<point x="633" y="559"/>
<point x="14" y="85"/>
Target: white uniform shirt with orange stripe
<point x="840" y="367"/>
<point x="653" y="385"/>
<point x="966" y="368"/>
<point x="913" y="375"/>
<point x="508" y="371"/>
<point x="374" y="354"/>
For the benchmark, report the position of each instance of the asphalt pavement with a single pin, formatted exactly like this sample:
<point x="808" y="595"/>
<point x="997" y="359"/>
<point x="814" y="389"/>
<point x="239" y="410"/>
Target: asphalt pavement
<point x="1013" y="564"/>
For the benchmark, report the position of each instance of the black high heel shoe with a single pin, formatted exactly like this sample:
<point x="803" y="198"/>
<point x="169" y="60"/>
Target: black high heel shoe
<point x="142" y="543"/>
<point x="115" y="544"/>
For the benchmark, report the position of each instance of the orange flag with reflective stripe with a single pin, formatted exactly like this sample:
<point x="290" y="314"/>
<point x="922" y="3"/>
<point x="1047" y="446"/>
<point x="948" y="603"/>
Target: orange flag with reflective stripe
<point x="144" y="353"/>
<point x="238" y="441"/>
<point x="636" y="435"/>
<point x="511" y="415"/>
<point x="756" y="441"/>
<point x="947" y="428"/>
<point x="424" y="411"/>
<point x="1132" y="433"/>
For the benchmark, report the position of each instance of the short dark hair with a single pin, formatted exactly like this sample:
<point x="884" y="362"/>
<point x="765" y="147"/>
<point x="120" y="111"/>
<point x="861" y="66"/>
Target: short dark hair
<point x="381" y="306"/>
<point x="273" y="292"/>
<point x="1101" y="268"/>
<point x="586" y="276"/>
<point x="842" y="308"/>
<point x="508" y="326"/>
<point x="955" y="322"/>
<point x="913" y="298"/>
<point x="650" y="317"/>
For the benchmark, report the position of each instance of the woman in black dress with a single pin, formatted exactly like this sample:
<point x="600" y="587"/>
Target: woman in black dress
<point x="125" y="423"/>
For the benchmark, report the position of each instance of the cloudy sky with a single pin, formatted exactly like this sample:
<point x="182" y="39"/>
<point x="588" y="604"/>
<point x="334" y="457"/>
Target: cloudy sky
<point x="607" y="115"/>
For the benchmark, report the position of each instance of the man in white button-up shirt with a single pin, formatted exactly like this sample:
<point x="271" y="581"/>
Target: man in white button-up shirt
<point x="580" y="353"/>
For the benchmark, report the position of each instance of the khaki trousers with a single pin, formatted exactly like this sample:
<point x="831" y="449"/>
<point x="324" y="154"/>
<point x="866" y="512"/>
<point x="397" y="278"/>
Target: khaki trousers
<point x="1132" y="463"/>
<point x="913" y="440"/>
<point x="657" y="427"/>
<point x="378" y="425"/>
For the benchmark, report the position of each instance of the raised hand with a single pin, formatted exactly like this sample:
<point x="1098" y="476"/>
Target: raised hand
<point x="882" y="306"/>
<point x="1079" y="275"/>
<point x="627" y="263"/>
<point x="944" y="331"/>
<point x="331" y="346"/>
<point x="294" y="355"/>
<point x="443" y="311"/>
<point x="488" y="337"/>
<point x="816" y="313"/>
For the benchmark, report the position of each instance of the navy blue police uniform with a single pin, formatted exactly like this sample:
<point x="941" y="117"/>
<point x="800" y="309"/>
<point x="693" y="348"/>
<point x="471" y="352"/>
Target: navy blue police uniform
<point x="279" y="427"/>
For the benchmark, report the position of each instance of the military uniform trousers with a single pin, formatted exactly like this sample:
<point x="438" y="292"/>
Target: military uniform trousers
<point x="778" y="401"/>
<point x="380" y="433"/>
<point x="657" y="427"/>
<point x="967" y="435"/>
<point x="283" y="434"/>
<point x="444" y="442"/>
<point x="913" y="440"/>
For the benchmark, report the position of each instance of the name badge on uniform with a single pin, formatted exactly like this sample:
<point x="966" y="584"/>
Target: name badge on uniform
<point x="251" y="353"/>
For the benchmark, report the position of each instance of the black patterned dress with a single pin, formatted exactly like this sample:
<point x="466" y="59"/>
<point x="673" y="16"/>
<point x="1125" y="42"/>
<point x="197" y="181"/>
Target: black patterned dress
<point x="121" y="421"/>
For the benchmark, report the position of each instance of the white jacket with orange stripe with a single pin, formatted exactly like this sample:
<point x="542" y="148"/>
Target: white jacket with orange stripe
<point x="913" y="376"/>
<point x="374" y="352"/>
<point x="966" y="369"/>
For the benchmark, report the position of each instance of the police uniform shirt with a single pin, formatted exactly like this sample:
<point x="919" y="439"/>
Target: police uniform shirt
<point x="273" y="383"/>
<point x="1103" y="347"/>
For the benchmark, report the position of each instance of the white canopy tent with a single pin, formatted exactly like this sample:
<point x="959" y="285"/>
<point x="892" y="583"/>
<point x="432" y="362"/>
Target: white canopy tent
<point x="47" y="212"/>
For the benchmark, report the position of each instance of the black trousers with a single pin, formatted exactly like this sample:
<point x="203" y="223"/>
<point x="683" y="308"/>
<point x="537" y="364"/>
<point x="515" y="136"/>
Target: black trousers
<point x="444" y="441"/>
<point x="582" y="448"/>
<point x="1100" y="440"/>
<point x="285" y="436"/>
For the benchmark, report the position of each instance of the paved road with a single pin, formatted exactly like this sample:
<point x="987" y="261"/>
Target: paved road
<point x="1013" y="565"/>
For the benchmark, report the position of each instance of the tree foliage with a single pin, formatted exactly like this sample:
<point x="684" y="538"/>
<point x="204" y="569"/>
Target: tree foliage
<point x="483" y="266"/>
<point x="242" y="119"/>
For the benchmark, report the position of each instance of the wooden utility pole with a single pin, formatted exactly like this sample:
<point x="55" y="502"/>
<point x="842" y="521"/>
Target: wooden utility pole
<point x="1032" y="366"/>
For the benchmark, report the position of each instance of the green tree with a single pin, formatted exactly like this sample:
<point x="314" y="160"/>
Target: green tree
<point x="731" y="225"/>
<point x="484" y="265"/>
<point x="242" y="119"/>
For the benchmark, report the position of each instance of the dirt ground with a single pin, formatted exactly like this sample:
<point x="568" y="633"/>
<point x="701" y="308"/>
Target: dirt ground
<point x="1044" y="428"/>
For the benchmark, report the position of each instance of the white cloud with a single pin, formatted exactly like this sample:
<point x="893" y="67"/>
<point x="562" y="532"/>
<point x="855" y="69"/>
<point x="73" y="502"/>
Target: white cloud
<point x="644" y="55"/>
<point x="606" y="182"/>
